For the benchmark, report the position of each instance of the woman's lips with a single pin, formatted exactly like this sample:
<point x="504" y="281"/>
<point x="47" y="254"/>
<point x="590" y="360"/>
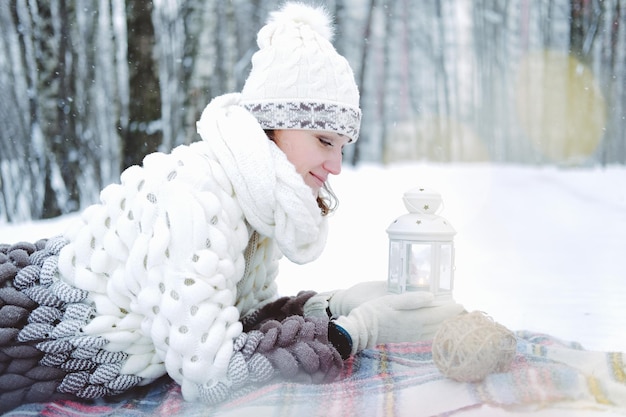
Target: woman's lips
<point x="319" y="180"/>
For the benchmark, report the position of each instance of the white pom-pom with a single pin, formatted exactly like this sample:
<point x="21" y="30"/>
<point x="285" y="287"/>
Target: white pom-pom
<point x="317" y="18"/>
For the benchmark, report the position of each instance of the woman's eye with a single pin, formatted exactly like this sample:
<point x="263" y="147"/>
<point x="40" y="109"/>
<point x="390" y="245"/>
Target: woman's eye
<point x="325" y="141"/>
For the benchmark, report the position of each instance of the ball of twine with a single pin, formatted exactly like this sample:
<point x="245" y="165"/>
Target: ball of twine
<point x="470" y="346"/>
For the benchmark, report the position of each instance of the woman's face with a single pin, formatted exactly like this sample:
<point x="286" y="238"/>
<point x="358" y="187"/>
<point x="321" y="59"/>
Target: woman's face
<point x="314" y="153"/>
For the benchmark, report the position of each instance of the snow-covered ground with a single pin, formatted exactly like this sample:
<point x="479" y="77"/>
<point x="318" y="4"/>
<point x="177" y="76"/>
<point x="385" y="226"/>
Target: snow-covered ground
<point x="537" y="248"/>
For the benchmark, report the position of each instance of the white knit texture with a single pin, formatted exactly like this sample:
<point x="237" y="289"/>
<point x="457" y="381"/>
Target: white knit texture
<point x="161" y="258"/>
<point x="297" y="64"/>
<point x="259" y="286"/>
<point x="273" y="196"/>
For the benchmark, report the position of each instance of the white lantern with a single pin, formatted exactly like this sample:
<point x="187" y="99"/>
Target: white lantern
<point x="421" y="246"/>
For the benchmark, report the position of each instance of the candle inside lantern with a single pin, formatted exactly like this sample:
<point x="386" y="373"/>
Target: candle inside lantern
<point x="419" y="267"/>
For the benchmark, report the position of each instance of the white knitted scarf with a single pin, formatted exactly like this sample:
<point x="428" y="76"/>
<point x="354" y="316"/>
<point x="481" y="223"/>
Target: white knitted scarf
<point x="273" y="196"/>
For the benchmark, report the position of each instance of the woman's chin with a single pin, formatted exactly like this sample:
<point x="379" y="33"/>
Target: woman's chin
<point x="314" y="185"/>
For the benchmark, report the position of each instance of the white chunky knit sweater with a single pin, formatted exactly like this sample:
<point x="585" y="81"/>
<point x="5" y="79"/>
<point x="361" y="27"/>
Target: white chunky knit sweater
<point x="187" y="244"/>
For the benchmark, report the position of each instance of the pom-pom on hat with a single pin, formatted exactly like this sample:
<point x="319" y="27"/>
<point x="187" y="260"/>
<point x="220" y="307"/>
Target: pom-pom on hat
<point x="298" y="80"/>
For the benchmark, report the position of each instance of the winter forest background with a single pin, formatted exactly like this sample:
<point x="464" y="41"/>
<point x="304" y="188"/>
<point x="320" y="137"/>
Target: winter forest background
<point x="88" y="87"/>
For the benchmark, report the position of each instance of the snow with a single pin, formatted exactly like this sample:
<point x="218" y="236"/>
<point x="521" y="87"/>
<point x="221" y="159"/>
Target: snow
<point x="537" y="248"/>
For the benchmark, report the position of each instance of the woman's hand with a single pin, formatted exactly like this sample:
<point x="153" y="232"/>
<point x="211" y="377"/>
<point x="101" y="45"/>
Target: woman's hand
<point x="393" y="318"/>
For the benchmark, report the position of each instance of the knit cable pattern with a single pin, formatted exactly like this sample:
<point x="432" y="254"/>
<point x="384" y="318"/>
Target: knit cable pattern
<point x="298" y="80"/>
<point x="43" y="353"/>
<point x="22" y="379"/>
<point x="160" y="258"/>
<point x="282" y="344"/>
<point x="277" y="203"/>
<point x="259" y="286"/>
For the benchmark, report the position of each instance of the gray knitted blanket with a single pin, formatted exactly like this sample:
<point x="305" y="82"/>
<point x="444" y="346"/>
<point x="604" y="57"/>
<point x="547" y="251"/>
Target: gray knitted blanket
<point x="44" y="356"/>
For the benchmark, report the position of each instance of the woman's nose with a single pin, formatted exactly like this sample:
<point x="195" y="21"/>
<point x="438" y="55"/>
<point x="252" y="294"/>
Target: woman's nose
<point x="333" y="163"/>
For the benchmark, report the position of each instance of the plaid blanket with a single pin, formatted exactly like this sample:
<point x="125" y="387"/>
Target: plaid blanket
<point x="397" y="380"/>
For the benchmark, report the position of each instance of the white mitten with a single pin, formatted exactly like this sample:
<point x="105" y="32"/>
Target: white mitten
<point x="342" y="302"/>
<point x="406" y="317"/>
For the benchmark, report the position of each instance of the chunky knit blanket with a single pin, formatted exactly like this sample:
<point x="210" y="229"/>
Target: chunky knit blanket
<point x="400" y="380"/>
<point x="46" y="354"/>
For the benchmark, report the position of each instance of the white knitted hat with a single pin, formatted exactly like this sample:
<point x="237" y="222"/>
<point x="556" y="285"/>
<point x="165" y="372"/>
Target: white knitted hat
<point x="298" y="80"/>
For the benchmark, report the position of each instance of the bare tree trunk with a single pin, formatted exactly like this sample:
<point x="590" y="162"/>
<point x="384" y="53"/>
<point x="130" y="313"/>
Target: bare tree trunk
<point x="361" y="77"/>
<point x="143" y="135"/>
<point x="17" y="110"/>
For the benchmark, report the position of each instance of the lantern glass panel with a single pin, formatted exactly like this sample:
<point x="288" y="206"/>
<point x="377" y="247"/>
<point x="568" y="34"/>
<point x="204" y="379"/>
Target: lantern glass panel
<point x="420" y="267"/>
<point x="396" y="267"/>
<point x="446" y="252"/>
